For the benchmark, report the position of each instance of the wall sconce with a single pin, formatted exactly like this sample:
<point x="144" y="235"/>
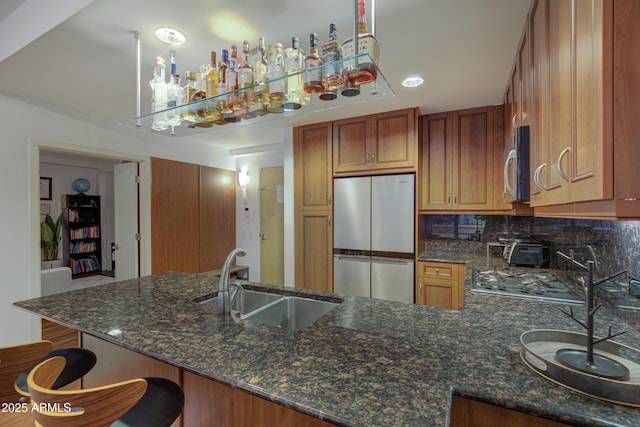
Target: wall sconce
<point x="243" y="178"/>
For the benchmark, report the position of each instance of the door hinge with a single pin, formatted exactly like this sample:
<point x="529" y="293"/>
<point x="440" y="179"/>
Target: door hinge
<point x="138" y="180"/>
<point x="138" y="237"/>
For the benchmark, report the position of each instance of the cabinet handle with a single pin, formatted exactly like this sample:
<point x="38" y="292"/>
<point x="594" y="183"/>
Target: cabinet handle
<point x="448" y="198"/>
<point x="368" y="158"/>
<point x="328" y="200"/>
<point x="373" y="157"/>
<point x="329" y="220"/>
<point x="536" y="176"/>
<point x="455" y="198"/>
<point x="560" y="171"/>
<point x="507" y="185"/>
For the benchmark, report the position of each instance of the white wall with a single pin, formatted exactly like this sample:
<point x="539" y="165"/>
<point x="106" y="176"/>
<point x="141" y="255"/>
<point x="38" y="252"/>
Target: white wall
<point x="26" y="128"/>
<point x="248" y="227"/>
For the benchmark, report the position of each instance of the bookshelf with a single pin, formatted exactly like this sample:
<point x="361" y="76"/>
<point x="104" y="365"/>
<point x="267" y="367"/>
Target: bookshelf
<point x="82" y="248"/>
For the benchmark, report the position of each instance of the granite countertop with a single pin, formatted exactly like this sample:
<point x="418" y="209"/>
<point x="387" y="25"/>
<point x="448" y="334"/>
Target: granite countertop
<point x="368" y="362"/>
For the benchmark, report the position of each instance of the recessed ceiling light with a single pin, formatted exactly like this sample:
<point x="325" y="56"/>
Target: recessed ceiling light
<point x="412" y="81"/>
<point x="170" y="36"/>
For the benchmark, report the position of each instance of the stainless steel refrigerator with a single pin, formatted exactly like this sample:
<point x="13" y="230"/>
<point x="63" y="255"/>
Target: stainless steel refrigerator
<point x="373" y="238"/>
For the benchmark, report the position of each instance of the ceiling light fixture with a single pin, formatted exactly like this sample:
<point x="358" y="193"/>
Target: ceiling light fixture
<point x="412" y="81"/>
<point x="170" y="36"/>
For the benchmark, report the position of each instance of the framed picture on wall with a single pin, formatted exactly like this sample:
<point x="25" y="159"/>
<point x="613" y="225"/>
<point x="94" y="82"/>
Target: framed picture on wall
<point x="45" y="188"/>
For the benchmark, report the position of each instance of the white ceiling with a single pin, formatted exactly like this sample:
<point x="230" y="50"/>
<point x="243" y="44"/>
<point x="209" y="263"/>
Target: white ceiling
<point x="85" y="65"/>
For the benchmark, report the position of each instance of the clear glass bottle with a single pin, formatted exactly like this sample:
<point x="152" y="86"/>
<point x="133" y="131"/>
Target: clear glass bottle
<point x="231" y="80"/>
<point x="261" y="91"/>
<point x="275" y="76"/>
<point x="174" y="93"/>
<point x="159" y="96"/>
<point x="245" y="80"/>
<point x="331" y="56"/>
<point x="174" y="100"/>
<point x="312" y="70"/>
<point x="189" y="90"/>
<point x="293" y="67"/>
<point x="365" y="70"/>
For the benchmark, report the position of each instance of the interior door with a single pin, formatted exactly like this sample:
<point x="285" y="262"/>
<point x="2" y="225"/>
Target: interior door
<point x="272" y="225"/>
<point x="126" y="253"/>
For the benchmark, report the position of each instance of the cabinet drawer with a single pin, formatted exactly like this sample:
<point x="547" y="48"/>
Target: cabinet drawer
<point x="438" y="269"/>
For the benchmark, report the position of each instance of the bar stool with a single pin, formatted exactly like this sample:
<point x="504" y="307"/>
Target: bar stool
<point x="137" y="402"/>
<point x="17" y="361"/>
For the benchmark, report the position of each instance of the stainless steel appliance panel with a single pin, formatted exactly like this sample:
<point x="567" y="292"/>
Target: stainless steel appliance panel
<point x="352" y="275"/>
<point x="392" y="279"/>
<point x="392" y="213"/>
<point x="352" y="213"/>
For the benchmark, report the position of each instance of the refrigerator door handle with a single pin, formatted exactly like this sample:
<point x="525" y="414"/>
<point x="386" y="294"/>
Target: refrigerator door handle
<point x="353" y="258"/>
<point x="391" y="261"/>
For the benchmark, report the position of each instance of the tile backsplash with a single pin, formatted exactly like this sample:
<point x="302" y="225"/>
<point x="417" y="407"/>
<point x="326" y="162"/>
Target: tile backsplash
<point x="616" y="244"/>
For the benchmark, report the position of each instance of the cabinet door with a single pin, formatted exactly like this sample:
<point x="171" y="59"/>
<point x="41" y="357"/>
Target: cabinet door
<point x="314" y="251"/>
<point x="393" y="142"/>
<point x="539" y="136"/>
<point x="435" y="162"/>
<point x="434" y="291"/>
<point x="312" y="167"/>
<point x="560" y="118"/>
<point x="351" y="145"/>
<point x="592" y="147"/>
<point x="472" y="138"/>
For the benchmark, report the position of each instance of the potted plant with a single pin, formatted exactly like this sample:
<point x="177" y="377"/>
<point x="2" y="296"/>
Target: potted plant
<point x="50" y="235"/>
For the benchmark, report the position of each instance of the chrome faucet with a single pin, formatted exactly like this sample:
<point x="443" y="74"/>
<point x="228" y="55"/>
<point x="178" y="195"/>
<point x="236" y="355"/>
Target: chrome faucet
<point x="224" y="302"/>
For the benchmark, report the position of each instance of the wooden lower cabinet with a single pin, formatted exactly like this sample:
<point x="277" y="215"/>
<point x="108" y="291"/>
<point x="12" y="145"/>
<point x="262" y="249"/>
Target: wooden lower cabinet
<point x="207" y="402"/>
<point x="440" y="284"/>
<point x="60" y="336"/>
<point x="212" y="403"/>
<point x="467" y="412"/>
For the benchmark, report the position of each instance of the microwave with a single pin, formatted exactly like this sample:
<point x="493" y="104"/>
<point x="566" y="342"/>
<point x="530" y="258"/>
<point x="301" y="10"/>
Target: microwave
<point x="516" y="167"/>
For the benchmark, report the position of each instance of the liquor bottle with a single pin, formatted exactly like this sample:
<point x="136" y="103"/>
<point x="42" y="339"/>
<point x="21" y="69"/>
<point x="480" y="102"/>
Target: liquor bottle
<point x="174" y="100"/>
<point x="275" y="75"/>
<point x="245" y="80"/>
<point x="189" y="90"/>
<point x="212" y="79"/>
<point x="231" y="80"/>
<point x="331" y="56"/>
<point x="159" y="96"/>
<point x="261" y="91"/>
<point x="174" y="93"/>
<point x="293" y="67"/>
<point x="364" y="70"/>
<point x="312" y="70"/>
<point x="222" y="72"/>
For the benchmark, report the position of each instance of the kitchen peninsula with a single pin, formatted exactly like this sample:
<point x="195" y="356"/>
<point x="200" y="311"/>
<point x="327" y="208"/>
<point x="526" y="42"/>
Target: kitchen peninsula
<point x="367" y="362"/>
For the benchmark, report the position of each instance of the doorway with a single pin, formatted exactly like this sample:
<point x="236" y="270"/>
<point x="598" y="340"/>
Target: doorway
<point x="272" y="225"/>
<point x="70" y="162"/>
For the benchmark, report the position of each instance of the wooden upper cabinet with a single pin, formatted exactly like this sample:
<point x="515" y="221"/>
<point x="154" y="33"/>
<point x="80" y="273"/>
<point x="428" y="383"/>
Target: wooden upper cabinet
<point x="312" y="167"/>
<point x="585" y="66"/>
<point x="383" y="142"/>
<point x="456" y="160"/>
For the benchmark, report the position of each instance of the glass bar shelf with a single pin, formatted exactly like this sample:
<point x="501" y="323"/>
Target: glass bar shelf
<point x="210" y="113"/>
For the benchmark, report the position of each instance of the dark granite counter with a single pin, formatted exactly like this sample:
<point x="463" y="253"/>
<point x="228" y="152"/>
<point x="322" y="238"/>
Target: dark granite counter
<point x="368" y="362"/>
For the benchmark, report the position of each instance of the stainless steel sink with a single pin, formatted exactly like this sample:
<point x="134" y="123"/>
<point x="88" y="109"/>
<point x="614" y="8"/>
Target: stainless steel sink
<point x="290" y="312"/>
<point x="246" y="301"/>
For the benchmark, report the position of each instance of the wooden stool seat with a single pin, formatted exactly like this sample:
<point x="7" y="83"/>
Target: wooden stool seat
<point x="136" y="402"/>
<point x="13" y="361"/>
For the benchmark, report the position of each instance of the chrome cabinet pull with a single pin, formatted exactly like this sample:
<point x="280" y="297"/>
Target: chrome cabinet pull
<point x="448" y="198"/>
<point x="373" y="157"/>
<point x="507" y="184"/>
<point x="455" y="198"/>
<point x="560" y="171"/>
<point x="536" y="177"/>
